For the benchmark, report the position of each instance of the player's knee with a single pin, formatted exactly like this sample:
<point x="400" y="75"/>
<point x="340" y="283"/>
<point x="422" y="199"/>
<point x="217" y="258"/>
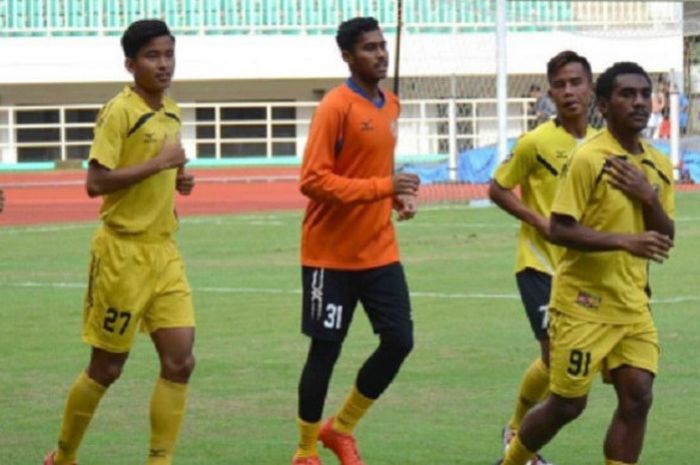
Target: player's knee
<point x="105" y="373"/>
<point x="567" y="410"/>
<point x="323" y="353"/>
<point x="637" y="404"/>
<point x="178" y="369"/>
<point x="399" y="343"/>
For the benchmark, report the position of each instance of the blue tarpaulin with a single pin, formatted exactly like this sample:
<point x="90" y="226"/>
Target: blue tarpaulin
<point x="476" y="166"/>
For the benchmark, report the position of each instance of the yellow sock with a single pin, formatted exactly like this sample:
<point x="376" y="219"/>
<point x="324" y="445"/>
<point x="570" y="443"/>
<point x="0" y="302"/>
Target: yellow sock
<point x="167" y="409"/>
<point x="352" y="410"/>
<point x="83" y="398"/>
<point x="517" y="453"/>
<point x="308" y="437"/>
<point x="533" y="388"/>
<point x="615" y="462"/>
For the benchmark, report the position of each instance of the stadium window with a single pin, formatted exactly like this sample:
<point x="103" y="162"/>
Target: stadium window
<point x="27" y="136"/>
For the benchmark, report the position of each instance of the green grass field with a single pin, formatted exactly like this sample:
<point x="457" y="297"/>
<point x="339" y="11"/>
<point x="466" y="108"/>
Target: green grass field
<point x="446" y="407"/>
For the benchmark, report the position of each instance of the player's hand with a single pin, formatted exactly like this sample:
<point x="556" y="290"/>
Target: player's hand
<point x="406" y="206"/>
<point x="629" y="179"/>
<point x="649" y="244"/>
<point x="2" y="200"/>
<point x="184" y="182"/>
<point x="405" y="183"/>
<point x="172" y="154"/>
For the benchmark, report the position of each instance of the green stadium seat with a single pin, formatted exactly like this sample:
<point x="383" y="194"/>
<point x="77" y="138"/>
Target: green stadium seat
<point x="190" y="14"/>
<point x="88" y="17"/>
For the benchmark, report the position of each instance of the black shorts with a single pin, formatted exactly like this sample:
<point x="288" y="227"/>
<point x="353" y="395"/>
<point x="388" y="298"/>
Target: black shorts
<point x="535" y="289"/>
<point x="330" y="297"/>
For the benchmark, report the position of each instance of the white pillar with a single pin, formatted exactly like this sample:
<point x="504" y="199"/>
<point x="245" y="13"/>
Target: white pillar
<point x="452" y="125"/>
<point x="674" y="143"/>
<point x="502" y="79"/>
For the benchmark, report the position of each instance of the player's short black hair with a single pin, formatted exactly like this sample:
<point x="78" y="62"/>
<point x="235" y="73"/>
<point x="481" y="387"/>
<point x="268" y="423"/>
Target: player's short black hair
<point x="606" y="81"/>
<point x="562" y="59"/>
<point x="349" y="31"/>
<point x="139" y="33"/>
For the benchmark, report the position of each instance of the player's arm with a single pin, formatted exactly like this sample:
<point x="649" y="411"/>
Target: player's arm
<point x="319" y="180"/>
<point x="2" y="200"/>
<point x="568" y="232"/>
<point x="509" y="174"/>
<point x="103" y="180"/>
<point x="508" y="201"/>
<point x="578" y="182"/>
<point x="184" y="182"/>
<point x="631" y="180"/>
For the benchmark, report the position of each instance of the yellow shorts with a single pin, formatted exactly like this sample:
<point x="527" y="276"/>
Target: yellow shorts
<point x="133" y="281"/>
<point x="580" y="349"/>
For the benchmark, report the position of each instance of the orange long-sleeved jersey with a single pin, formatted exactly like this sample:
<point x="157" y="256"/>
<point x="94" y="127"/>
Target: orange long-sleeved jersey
<point x="347" y="176"/>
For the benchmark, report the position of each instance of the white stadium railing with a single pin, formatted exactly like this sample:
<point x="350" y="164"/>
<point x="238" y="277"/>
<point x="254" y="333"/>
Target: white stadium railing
<point x="427" y="128"/>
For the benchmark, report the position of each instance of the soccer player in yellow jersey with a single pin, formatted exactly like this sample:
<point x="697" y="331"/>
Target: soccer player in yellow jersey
<point x="535" y="165"/>
<point x="613" y="213"/>
<point x="136" y="276"/>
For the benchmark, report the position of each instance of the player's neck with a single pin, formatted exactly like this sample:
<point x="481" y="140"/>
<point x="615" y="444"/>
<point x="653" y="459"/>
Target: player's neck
<point x="629" y="141"/>
<point x="152" y="99"/>
<point x="577" y="127"/>
<point x="371" y="88"/>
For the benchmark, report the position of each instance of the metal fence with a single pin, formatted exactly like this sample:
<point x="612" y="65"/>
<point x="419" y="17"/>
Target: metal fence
<point x="428" y="128"/>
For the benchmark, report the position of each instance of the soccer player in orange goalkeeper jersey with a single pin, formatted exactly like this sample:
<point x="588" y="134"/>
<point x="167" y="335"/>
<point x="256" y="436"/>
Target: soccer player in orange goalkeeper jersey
<point x="349" y="252"/>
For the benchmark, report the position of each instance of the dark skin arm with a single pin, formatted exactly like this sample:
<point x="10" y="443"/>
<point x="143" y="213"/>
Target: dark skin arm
<point x="631" y="180"/>
<point x="508" y="201"/>
<point x="568" y="232"/>
<point x="184" y="183"/>
<point x="101" y="180"/>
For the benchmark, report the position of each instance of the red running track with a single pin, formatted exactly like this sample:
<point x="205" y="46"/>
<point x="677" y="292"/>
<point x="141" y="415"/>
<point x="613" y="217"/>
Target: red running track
<point x="59" y="196"/>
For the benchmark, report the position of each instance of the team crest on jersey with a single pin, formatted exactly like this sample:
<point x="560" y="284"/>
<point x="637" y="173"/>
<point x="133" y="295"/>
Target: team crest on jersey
<point x="366" y="125"/>
<point x="587" y="300"/>
<point x="656" y="188"/>
<point x="149" y="138"/>
<point x="561" y="153"/>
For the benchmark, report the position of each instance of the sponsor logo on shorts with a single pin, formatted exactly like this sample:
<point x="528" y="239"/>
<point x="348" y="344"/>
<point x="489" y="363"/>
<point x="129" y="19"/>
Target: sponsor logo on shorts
<point x="317" y="294"/>
<point x="587" y="300"/>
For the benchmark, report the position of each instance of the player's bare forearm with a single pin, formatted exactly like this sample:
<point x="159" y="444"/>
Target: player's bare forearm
<point x="510" y="203"/>
<point x="656" y="219"/>
<point x="101" y="180"/>
<point x="567" y="232"/>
